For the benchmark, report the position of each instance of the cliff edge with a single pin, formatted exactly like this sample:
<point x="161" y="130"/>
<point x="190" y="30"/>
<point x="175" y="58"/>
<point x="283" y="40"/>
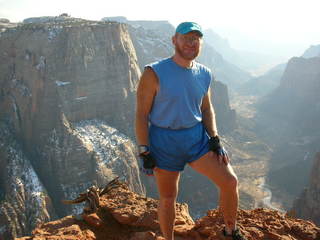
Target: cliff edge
<point x="124" y="214"/>
<point x="307" y="205"/>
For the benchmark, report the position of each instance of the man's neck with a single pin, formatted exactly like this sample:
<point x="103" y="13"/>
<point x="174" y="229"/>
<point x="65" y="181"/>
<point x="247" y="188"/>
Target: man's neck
<point x="182" y="62"/>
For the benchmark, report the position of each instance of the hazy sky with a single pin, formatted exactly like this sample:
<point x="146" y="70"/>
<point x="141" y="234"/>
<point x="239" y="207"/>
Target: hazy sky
<point x="258" y="25"/>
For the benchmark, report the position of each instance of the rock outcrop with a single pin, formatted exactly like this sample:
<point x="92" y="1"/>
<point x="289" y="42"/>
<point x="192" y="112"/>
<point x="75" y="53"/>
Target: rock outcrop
<point x="307" y="205"/>
<point x="125" y="215"/>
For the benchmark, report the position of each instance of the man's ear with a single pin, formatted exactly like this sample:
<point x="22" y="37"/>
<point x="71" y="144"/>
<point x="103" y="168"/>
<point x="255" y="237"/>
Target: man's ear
<point x="174" y="39"/>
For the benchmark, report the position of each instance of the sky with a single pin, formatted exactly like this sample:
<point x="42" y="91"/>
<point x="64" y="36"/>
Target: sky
<point x="285" y="27"/>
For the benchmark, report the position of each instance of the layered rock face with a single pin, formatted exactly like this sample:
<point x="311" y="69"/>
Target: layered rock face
<point x="75" y="68"/>
<point x="287" y="120"/>
<point x="301" y="79"/>
<point x="125" y="215"/>
<point x="85" y="153"/>
<point x="307" y="205"/>
<point x="24" y="201"/>
<point x="295" y="103"/>
<point x="68" y="94"/>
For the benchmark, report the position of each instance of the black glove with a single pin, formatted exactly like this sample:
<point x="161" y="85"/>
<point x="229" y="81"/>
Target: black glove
<point x="215" y="146"/>
<point x="148" y="163"/>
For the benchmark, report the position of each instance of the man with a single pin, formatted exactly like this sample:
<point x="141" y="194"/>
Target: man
<point x="175" y="126"/>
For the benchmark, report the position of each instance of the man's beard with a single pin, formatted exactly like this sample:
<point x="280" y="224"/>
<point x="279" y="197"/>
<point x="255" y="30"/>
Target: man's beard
<point x="186" y="56"/>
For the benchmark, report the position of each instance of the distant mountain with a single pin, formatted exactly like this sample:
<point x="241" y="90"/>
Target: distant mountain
<point x="312" y="51"/>
<point x="249" y="61"/>
<point x="223" y="70"/>
<point x="264" y="84"/>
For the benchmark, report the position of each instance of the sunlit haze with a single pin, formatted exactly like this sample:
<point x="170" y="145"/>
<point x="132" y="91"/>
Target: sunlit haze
<point x="272" y="27"/>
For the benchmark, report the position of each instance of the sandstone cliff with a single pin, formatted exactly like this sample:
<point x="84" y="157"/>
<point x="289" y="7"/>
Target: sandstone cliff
<point x="73" y="67"/>
<point x="307" y="205"/>
<point x="67" y="92"/>
<point x="125" y="215"/>
<point x="287" y="121"/>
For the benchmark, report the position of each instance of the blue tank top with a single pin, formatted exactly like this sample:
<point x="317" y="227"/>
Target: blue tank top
<point x="177" y="104"/>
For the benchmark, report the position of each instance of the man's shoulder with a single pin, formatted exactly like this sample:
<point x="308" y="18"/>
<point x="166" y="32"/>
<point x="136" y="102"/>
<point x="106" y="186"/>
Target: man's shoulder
<point x="160" y="62"/>
<point x="203" y="67"/>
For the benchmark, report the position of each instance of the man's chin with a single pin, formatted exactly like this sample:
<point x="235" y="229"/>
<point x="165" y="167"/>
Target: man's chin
<point x="189" y="57"/>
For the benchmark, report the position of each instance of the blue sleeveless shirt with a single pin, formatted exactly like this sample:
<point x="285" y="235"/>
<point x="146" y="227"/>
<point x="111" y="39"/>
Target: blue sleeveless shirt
<point x="177" y="103"/>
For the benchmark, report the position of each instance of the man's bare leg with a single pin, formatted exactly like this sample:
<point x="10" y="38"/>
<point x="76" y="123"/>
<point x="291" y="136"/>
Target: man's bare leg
<point x="225" y="178"/>
<point x="167" y="182"/>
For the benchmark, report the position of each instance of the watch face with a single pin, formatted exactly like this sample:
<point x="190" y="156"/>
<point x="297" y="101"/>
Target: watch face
<point x="143" y="149"/>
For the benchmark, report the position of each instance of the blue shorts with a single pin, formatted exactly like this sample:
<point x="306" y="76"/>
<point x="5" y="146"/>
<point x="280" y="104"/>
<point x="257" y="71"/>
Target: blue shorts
<point x="173" y="149"/>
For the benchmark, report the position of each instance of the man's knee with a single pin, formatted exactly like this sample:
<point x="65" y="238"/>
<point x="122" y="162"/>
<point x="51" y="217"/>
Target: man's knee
<point x="230" y="182"/>
<point x="168" y="201"/>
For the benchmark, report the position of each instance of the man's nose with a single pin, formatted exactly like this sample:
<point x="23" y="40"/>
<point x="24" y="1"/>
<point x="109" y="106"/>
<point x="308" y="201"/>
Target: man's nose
<point x="191" y="42"/>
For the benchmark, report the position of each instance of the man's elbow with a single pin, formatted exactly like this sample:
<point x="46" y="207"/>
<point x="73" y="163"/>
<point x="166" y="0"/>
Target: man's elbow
<point x="142" y="117"/>
<point x="207" y="110"/>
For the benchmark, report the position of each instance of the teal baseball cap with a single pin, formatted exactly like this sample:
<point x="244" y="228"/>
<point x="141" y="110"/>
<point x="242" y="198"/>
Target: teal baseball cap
<point x="185" y="27"/>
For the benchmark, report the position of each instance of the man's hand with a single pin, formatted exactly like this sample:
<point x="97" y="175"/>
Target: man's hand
<point x="148" y="163"/>
<point x="216" y="147"/>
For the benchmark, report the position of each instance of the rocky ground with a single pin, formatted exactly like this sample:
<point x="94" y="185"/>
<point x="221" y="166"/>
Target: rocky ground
<point x="124" y="214"/>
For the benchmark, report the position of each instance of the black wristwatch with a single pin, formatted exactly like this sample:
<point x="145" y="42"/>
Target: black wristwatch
<point x="143" y="149"/>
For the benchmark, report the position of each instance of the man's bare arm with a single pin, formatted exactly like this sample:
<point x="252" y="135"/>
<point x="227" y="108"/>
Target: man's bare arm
<point x="209" y="121"/>
<point x="146" y="92"/>
<point x="208" y="115"/>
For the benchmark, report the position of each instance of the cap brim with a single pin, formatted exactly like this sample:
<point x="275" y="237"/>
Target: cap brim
<point x="187" y="30"/>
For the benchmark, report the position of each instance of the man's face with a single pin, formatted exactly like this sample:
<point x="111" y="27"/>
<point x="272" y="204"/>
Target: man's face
<point x="188" y="45"/>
